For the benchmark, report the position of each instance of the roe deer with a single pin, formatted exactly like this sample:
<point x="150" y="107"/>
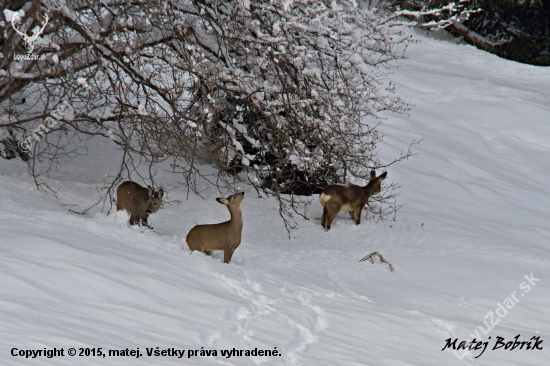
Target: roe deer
<point x="138" y="201"/>
<point x="351" y="198"/>
<point x="224" y="236"/>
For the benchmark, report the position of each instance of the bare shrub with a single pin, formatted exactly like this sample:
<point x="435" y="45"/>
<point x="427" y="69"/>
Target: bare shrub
<point x="286" y="96"/>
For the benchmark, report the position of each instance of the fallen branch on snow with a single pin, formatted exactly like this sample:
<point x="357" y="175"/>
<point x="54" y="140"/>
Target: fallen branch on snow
<point x="382" y="260"/>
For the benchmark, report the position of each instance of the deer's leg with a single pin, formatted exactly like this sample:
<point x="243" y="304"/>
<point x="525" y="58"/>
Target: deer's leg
<point x="325" y="215"/>
<point x="227" y="255"/>
<point x="358" y="212"/>
<point x="145" y="223"/>
<point x="352" y="214"/>
<point x="332" y="212"/>
<point x="134" y="214"/>
<point x="207" y="252"/>
<point x="194" y="246"/>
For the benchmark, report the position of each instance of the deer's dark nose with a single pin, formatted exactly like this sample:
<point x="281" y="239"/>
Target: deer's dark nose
<point x="148" y="211"/>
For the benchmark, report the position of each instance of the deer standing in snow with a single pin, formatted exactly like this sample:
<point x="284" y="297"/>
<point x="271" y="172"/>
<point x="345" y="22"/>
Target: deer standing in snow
<point x="350" y="198"/>
<point x="138" y="201"/>
<point x="224" y="236"/>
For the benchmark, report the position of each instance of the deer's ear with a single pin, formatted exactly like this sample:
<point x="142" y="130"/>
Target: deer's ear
<point x="150" y="191"/>
<point x="383" y="175"/>
<point x="161" y="193"/>
<point x="372" y="174"/>
<point x="222" y="200"/>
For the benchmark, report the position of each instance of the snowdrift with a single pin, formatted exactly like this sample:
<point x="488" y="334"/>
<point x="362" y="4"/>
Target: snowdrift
<point x="473" y="234"/>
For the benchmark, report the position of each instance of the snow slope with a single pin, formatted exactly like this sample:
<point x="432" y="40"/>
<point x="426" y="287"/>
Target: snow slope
<point x="475" y="223"/>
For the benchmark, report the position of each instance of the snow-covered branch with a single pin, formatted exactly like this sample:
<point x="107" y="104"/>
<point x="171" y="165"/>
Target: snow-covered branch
<point x="286" y="95"/>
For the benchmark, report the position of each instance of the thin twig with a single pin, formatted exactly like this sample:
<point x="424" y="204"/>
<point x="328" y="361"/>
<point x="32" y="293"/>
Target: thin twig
<point x="382" y="259"/>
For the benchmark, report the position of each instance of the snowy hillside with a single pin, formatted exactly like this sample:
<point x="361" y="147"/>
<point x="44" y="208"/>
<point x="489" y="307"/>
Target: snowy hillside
<point x="474" y="225"/>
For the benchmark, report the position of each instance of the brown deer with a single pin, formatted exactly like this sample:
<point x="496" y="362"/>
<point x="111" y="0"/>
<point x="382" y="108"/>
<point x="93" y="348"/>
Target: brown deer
<point x="351" y="198"/>
<point x="224" y="236"/>
<point x="138" y="201"/>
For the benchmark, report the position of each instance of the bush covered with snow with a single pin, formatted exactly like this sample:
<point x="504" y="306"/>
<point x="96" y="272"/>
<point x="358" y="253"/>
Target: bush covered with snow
<point x="284" y="95"/>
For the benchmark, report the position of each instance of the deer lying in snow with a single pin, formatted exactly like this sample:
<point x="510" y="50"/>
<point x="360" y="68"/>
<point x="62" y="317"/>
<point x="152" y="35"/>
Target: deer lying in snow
<point x="138" y="201"/>
<point x="224" y="236"/>
<point x="351" y="198"/>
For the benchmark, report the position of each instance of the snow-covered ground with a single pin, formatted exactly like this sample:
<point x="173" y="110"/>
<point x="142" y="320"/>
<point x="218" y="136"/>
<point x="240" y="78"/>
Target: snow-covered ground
<point x="474" y="225"/>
